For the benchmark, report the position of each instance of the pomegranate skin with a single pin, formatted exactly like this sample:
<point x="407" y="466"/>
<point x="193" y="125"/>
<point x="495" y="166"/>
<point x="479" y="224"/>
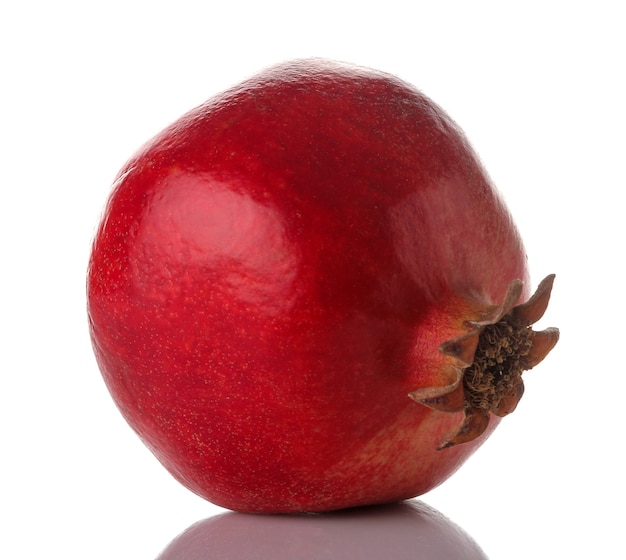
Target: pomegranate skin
<point x="275" y="272"/>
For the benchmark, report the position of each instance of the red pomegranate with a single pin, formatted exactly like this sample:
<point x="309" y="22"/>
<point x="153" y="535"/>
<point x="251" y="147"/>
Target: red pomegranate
<point x="306" y="294"/>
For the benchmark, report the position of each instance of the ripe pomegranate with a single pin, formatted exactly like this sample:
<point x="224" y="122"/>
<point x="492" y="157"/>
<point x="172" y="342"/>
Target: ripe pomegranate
<point x="306" y="294"/>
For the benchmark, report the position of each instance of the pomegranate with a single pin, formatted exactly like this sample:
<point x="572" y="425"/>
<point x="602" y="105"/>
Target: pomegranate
<point x="306" y="294"/>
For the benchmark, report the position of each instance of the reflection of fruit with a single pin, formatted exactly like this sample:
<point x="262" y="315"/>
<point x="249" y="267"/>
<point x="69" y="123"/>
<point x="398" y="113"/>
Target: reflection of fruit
<point x="277" y="271"/>
<point x="398" y="531"/>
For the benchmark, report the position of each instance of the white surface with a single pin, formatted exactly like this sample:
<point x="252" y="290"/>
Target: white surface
<point x="539" y="89"/>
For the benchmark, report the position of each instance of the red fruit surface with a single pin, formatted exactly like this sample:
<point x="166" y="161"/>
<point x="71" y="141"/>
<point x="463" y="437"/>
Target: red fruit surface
<point x="276" y="271"/>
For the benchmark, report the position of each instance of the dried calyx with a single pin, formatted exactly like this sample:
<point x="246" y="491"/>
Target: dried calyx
<point x="489" y="361"/>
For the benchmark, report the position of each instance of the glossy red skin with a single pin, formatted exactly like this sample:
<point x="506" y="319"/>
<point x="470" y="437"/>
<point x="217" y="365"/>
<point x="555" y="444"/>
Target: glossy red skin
<point x="274" y="273"/>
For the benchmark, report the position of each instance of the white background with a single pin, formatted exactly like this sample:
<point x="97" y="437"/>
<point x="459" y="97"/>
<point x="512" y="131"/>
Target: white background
<point x="538" y="88"/>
